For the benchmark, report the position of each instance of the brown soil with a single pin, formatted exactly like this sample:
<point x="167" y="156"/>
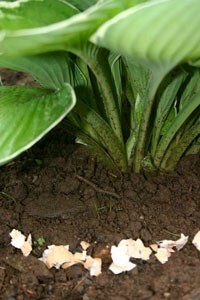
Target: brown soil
<point x="40" y="193"/>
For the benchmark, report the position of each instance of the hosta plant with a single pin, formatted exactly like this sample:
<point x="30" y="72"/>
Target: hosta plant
<point x="124" y="74"/>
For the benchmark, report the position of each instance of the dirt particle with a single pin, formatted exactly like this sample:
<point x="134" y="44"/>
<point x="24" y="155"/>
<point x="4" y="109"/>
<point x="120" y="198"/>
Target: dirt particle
<point x="145" y="235"/>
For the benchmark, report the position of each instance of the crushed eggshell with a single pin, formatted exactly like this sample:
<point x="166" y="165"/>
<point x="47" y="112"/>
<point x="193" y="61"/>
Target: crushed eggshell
<point x="84" y="245"/>
<point x="93" y="265"/>
<point x="141" y="251"/>
<point x="18" y="238"/>
<point x="60" y="256"/>
<point x="19" y="241"/>
<point x="80" y="256"/>
<point x="179" y="244"/>
<point x="154" y="247"/>
<point x="119" y="255"/>
<point x="121" y="260"/>
<point x="55" y="256"/>
<point x="166" y="248"/>
<point x="162" y="255"/>
<point x="136" y="249"/>
<point x="117" y="269"/>
<point x="27" y="247"/>
<point x="196" y="240"/>
<point x="124" y="251"/>
<point x="67" y="265"/>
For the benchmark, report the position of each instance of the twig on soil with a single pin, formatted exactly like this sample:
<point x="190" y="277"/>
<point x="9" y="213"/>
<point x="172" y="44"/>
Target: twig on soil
<point x="96" y="188"/>
<point x="78" y="284"/>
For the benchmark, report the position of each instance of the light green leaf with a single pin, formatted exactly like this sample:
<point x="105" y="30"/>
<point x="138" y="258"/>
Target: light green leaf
<point x="165" y="30"/>
<point x="20" y="36"/>
<point x="27" y="114"/>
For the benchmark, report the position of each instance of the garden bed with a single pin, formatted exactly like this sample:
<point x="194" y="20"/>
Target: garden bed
<point x="40" y="193"/>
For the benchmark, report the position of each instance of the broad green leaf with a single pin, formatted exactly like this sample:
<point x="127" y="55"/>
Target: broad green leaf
<point x="165" y="30"/>
<point x="51" y="70"/>
<point x="24" y="14"/>
<point x="27" y="114"/>
<point x="21" y="37"/>
<point x="159" y="34"/>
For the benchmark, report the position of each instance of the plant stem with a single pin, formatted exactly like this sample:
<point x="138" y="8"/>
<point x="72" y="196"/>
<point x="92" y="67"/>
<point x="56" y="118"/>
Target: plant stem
<point x="96" y="59"/>
<point x="177" y="123"/>
<point x="142" y="138"/>
<point x="169" y="161"/>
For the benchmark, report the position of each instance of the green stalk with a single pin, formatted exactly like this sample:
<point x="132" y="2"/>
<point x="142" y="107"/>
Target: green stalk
<point x="169" y="161"/>
<point x="194" y="148"/>
<point x="177" y="123"/>
<point x="131" y="139"/>
<point x="142" y="138"/>
<point x="96" y="59"/>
